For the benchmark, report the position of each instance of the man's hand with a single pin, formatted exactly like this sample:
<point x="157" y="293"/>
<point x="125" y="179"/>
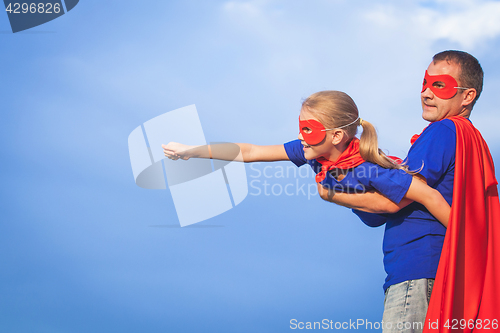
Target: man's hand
<point x="370" y="202"/>
<point x="325" y="193"/>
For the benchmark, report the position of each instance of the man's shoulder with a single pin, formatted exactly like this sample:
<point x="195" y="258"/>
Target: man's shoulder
<point x="437" y="143"/>
<point x="438" y="133"/>
<point x="442" y="125"/>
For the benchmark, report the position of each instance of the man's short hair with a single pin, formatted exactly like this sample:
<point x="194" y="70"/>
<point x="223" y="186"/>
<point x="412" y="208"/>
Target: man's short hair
<point x="471" y="73"/>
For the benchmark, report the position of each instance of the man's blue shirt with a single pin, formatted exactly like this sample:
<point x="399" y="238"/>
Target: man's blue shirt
<point x="413" y="238"/>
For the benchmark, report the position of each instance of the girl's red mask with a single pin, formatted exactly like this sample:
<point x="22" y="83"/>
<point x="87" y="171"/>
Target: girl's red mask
<point x="447" y="87"/>
<point x="312" y="131"/>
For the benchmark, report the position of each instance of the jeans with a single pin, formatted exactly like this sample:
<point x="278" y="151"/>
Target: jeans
<point x="405" y="306"/>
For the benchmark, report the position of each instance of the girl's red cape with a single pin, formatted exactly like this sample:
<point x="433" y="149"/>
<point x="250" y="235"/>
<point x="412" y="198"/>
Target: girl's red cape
<point x="466" y="293"/>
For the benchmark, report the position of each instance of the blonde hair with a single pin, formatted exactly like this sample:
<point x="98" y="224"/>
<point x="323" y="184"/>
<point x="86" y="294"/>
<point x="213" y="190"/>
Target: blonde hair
<point x="337" y="109"/>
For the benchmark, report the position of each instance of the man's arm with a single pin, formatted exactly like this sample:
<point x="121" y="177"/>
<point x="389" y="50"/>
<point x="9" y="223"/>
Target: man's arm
<point x="371" y="220"/>
<point x="370" y="202"/>
<point x="437" y="140"/>
<point x="435" y="203"/>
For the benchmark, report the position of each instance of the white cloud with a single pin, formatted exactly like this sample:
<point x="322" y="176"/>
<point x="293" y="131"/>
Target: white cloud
<point x="256" y="17"/>
<point x="468" y="23"/>
<point x="252" y="9"/>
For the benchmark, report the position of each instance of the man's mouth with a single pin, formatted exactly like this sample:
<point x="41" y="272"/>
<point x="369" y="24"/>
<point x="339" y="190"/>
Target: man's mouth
<point x="306" y="145"/>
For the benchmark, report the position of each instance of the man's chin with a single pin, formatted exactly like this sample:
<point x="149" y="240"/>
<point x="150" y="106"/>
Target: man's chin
<point x="429" y="117"/>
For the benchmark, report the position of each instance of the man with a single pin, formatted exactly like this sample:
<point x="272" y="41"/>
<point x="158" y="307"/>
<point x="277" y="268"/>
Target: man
<point x="413" y="238"/>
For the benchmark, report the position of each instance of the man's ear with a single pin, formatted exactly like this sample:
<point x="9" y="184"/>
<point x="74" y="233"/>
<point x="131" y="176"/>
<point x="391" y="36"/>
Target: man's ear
<point x="469" y="96"/>
<point x="338" y="136"/>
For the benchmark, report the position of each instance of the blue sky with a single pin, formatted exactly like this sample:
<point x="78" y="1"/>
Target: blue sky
<point x="85" y="249"/>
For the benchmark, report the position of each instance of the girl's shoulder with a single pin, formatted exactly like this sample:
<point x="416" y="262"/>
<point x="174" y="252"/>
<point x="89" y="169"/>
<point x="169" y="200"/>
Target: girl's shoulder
<point x="366" y="167"/>
<point x="369" y="170"/>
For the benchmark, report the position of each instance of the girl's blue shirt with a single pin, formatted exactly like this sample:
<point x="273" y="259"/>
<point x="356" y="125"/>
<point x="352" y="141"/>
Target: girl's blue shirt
<point x="392" y="183"/>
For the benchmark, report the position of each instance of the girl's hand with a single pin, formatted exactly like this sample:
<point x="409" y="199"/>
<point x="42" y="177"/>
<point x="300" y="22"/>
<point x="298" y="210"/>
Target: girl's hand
<point x="175" y="150"/>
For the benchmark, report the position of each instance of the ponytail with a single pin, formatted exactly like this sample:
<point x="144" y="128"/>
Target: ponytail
<point x="336" y="109"/>
<point x="368" y="148"/>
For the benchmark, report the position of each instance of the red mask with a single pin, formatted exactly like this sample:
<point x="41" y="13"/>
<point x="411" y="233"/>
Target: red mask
<point x="312" y="131"/>
<point x="443" y="86"/>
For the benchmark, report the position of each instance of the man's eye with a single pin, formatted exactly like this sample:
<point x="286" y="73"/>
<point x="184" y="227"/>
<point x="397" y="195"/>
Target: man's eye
<point x="425" y="82"/>
<point x="306" y="130"/>
<point x="439" y="85"/>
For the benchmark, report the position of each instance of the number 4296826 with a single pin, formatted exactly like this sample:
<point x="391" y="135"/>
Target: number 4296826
<point x="41" y="8"/>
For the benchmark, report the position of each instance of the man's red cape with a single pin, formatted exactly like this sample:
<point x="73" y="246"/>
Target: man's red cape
<point x="467" y="287"/>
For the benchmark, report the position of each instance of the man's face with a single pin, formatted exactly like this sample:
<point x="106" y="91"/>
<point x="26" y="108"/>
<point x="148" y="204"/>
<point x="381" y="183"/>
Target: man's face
<point x="435" y="108"/>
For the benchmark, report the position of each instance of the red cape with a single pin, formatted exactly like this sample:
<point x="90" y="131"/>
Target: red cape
<point x="466" y="293"/>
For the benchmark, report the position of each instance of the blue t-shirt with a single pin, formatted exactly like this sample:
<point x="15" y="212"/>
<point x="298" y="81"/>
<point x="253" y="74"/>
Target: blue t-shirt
<point x="393" y="183"/>
<point x="413" y="238"/>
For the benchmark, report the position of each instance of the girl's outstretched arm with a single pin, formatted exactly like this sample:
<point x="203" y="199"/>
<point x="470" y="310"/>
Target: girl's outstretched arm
<point x="243" y="152"/>
<point x="420" y="192"/>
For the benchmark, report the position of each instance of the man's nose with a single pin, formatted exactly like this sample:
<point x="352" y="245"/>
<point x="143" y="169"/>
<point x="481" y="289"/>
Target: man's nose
<point x="301" y="138"/>
<point x="427" y="93"/>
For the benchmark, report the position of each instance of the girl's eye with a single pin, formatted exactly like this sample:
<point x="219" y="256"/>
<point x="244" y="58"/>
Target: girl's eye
<point x="306" y="130"/>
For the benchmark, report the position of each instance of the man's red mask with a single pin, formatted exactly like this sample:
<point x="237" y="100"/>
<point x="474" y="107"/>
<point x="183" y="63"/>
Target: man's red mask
<point x="443" y="86"/>
<point x="312" y="131"/>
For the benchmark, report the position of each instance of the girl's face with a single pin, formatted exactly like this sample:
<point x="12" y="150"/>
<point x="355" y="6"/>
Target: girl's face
<point x="323" y="149"/>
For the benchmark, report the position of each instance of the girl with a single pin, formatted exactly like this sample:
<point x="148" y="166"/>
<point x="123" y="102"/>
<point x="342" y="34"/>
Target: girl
<point x="327" y="141"/>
